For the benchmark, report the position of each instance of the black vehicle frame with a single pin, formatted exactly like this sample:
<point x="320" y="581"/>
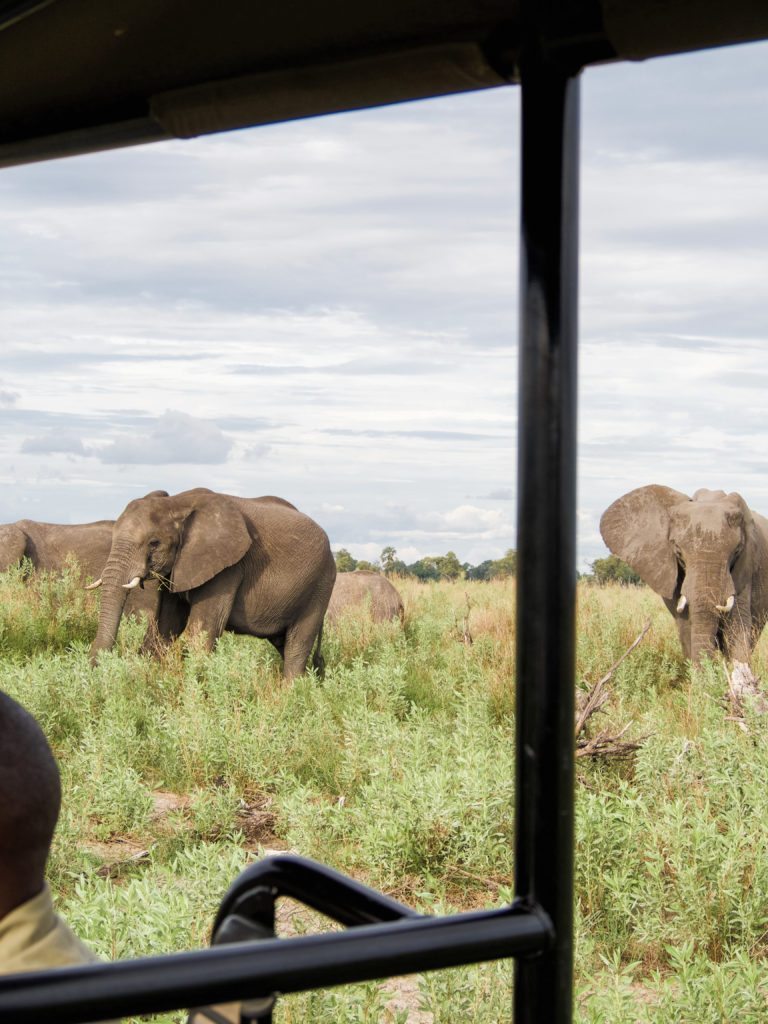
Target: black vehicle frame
<point x="544" y="46"/>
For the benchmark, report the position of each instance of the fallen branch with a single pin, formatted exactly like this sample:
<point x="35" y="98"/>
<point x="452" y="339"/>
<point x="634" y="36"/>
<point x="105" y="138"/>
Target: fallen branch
<point x="604" y="745"/>
<point x="744" y="691"/>
<point x="115" y="868"/>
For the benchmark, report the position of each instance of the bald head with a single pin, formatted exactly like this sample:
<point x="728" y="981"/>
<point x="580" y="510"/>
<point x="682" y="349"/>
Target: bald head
<point x="30" y="797"/>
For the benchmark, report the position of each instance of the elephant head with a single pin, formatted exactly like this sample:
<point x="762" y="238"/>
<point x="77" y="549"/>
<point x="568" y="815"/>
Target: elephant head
<point x="703" y="555"/>
<point x="182" y="541"/>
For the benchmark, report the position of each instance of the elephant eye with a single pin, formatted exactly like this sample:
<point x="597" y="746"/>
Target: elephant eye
<point x="154" y="543"/>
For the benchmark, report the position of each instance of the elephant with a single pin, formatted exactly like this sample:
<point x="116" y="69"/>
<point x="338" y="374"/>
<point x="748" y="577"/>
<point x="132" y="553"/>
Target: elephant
<point x="707" y="556"/>
<point x="49" y="546"/>
<point x="355" y="588"/>
<point x="256" y="566"/>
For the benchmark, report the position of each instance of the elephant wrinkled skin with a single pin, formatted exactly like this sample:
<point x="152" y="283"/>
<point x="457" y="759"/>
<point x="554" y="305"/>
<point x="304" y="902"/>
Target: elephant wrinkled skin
<point x="49" y="546"/>
<point x="359" y="587"/>
<point x="251" y="565"/>
<point x="707" y="557"/>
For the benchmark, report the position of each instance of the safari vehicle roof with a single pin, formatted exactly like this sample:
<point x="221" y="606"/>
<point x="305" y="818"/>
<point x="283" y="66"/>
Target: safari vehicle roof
<point x="83" y="75"/>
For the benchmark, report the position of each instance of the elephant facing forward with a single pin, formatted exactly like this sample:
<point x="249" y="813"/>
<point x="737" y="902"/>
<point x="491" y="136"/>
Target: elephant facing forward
<point x="251" y="565"/>
<point x="707" y="557"/>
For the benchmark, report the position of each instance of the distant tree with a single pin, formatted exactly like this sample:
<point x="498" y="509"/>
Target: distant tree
<point x="391" y="565"/>
<point x="478" y="572"/>
<point x="437" y="567"/>
<point x="425" y="569"/>
<point x="613" y="570"/>
<point x="387" y="558"/>
<point x="448" y="566"/>
<point x="504" y="567"/>
<point x="344" y="561"/>
<point x="368" y="566"/>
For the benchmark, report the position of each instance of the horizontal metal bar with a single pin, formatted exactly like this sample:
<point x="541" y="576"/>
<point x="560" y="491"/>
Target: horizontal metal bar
<point x="76" y="995"/>
<point x="317" y="886"/>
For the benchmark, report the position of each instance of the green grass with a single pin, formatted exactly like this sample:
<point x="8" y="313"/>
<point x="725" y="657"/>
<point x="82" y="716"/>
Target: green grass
<point x="397" y="768"/>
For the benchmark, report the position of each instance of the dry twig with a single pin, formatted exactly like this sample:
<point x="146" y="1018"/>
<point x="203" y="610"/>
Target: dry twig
<point x="604" y="744"/>
<point x="462" y="628"/>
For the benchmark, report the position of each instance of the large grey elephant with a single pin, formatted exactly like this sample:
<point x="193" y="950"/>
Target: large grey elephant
<point x="707" y="557"/>
<point x="361" y="586"/>
<point x="50" y="546"/>
<point x="251" y="565"/>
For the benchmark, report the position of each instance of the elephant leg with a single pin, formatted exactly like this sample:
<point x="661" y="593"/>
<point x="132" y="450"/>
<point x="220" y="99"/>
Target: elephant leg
<point x="278" y="642"/>
<point x="299" y="639"/>
<point x="169" y="623"/>
<point x="211" y="605"/>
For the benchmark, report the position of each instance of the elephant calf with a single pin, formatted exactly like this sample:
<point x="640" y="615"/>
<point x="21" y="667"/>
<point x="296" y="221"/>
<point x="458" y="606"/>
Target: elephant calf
<point x="707" y="556"/>
<point x="356" y="588"/>
<point x="251" y="565"/>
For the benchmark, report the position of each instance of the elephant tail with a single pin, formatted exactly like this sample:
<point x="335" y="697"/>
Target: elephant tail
<point x="318" y="661"/>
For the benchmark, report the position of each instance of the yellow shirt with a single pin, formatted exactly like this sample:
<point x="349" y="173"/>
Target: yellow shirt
<point x="33" y="937"/>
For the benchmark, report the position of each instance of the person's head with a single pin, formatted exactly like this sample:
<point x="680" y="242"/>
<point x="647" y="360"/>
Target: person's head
<point x="30" y="798"/>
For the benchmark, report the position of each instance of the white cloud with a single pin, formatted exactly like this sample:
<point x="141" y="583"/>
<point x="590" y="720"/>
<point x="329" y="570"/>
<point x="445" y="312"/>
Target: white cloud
<point x="176" y="437"/>
<point x="55" y="442"/>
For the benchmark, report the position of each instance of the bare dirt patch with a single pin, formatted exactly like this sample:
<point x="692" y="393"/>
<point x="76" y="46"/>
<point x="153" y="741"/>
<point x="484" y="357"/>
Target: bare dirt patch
<point x="405" y="996"/>
<point x="166" y="803"/>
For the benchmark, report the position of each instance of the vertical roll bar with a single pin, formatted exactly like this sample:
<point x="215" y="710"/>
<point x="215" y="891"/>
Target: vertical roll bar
<point x="546" y="542"/>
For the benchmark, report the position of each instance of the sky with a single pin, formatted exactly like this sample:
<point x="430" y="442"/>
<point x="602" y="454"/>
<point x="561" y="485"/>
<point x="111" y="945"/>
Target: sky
<point x="326" y="310"/>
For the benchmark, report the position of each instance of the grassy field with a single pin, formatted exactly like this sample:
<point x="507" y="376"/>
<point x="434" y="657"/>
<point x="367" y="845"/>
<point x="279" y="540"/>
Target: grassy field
<point x="397" y="768"/>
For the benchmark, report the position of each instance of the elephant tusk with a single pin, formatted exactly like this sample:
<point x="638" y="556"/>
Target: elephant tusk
<point x="93" y="586"/>
<point x="727" y="606"/>
<point x="133" y="584"/>
<point x="682" y="604"/>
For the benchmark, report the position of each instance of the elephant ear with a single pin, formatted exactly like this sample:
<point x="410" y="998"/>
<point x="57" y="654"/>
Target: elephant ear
<point x="746" y="564"/>
<point x="215" y="535"/>
<point x="157" y="494"/>
<point x="636" y="528"/>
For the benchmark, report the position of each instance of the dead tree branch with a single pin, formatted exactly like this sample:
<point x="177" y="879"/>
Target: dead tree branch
<point x="604" y="744"/>
<point x="743" y="692"/>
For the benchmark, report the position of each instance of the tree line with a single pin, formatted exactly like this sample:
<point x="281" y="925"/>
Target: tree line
<point x="433" y="567"/>
<point x="448" y="567"/>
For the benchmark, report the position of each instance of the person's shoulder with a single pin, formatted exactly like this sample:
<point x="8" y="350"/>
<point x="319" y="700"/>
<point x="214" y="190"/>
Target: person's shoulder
<point x="33" y="937"/>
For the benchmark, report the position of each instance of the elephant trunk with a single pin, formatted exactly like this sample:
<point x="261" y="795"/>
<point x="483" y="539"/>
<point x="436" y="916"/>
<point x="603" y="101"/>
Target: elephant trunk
<point x="704" y="626"/>
<point x="711" y="602"/>
<point x="122" y="566"/>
